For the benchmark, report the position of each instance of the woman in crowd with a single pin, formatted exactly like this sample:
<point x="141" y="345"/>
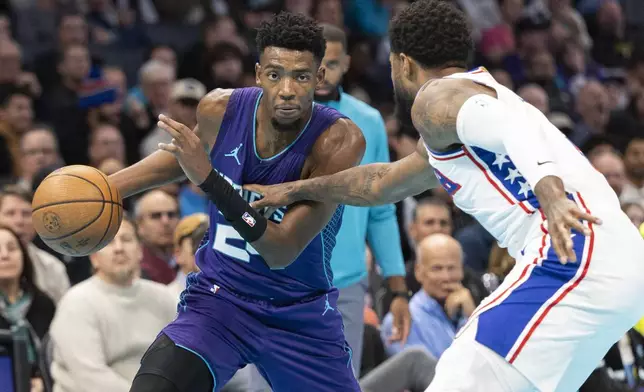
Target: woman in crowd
<point x="22" y="305"/>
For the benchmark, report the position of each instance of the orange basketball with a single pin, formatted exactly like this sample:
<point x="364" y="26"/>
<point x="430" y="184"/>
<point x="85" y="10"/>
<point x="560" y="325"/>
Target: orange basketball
<point x="76" y="211"/>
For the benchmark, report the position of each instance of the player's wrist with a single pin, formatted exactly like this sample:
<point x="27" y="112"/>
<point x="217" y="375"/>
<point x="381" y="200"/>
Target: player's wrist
<point x="250" y="224"/>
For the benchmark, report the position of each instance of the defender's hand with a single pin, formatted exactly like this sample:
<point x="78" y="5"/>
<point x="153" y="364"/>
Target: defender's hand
<point x="187" y="148"/>
<point x="275" y="196"/>
<point x="563" y="215"/>
<point x="399" y="308"/>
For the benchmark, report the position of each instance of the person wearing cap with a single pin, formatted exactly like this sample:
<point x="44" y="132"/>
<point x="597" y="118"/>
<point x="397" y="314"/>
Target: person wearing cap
<point x="187" y="238"/>
<point x="184" y="98"/>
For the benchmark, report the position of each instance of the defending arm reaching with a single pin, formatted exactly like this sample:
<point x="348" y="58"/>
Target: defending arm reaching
<point x="368" y="185"/>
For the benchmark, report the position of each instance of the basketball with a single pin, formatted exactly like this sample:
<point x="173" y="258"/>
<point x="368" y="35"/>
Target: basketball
<point x="76" y="211"/>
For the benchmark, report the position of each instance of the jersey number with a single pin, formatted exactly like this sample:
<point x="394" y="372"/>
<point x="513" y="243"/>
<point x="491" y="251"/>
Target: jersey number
<point x="223" y="235"/>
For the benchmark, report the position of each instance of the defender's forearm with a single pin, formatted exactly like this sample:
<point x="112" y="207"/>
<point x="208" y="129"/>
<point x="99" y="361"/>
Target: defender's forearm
<point x="358" y="186"/>
<point x="153" y="171"/>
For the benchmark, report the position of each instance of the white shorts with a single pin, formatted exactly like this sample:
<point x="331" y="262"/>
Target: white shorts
<point x="549" y="325"/>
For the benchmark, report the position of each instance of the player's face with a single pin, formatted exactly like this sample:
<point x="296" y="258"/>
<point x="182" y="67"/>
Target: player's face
<point x="11" y="257"/>
<point x="336" y="64"/>
<point x="289" y="79"/>
<point x="119" y="261"/>
<point x="404" y="95"/>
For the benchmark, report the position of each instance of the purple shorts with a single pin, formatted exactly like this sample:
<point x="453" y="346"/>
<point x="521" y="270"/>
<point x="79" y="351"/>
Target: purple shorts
<point x="296" y="347"/>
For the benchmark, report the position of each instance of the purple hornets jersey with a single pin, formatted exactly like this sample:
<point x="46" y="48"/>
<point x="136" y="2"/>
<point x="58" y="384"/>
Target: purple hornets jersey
<point x="226" y="258"/>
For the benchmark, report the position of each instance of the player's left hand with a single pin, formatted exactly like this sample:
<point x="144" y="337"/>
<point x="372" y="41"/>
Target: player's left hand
<point x="187" y="148"/>
<point x="562" y="216"/>
<point x="399" y="308"/>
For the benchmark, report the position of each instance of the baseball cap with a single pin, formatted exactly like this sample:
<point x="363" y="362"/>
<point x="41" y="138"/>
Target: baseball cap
<point x="189" y="225"/>
<point x="188" y="89"/>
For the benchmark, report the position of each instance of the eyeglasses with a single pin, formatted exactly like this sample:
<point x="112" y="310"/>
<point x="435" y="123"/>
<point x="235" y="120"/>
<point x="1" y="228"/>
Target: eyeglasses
<point x="157" y="215"/>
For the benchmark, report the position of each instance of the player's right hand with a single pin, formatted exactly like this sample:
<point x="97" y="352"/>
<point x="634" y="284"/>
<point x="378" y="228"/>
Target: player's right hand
<point x="275" y="196"/>
<point x="562" y="216"/>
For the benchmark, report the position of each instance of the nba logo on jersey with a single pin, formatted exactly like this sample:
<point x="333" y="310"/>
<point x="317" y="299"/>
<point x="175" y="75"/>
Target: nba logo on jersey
<point x="248" y="219"/>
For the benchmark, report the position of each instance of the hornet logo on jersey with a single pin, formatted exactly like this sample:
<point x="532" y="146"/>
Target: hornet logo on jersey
<point x="234" y="153"/>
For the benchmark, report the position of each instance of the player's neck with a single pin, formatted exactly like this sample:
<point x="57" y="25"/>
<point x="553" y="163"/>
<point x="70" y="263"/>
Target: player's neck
<point x="425" y="75"/>
<point x="270" y="140"/>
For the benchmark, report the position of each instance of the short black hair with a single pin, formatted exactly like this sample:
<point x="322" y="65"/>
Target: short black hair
<point x="334" y="34"/>
<point x="10" y="90"/>
<point x="435" y="33"/>
<point x="293" y="32"/>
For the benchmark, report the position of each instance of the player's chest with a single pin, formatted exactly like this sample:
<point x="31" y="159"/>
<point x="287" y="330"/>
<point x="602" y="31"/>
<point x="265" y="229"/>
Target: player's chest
<point x="477" y="178"/>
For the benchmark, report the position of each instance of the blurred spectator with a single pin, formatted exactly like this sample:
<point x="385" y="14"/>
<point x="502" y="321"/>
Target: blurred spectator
<point x="110" y="166"/>
<point x="611" y="165"/>
<point x="635" y="71"/>
<point x="499" y="266"/>
<point x="11" y="71"/>
<point x="635" y="213"/>
<point x="329" y="12"/>
<point x="536" y="96"/>
<point x="628" y="123"/>
<point x="634" y="162"/>
<point x="184" y="98"/>
<point x="368" y="17"/>
<point x="72" y="30"/>
<point x="215" y="31"/>
<point x="155" y="79"/>
<point x="158" y="53"/>
<point x="22" y="305"/>
<point x="15" y="117"/>
<point x="611" y="47"/>
<point x="104" y="325"/>
<point x="224" y="67"/>
<point x="502" y="77"/>
<point x="39" y="149"/>
<point x="443" y="304"/>
<point x="105" y="142"/>
<point x="563" y="12"/>
<point x="542" y="71"/>
<point x="593" y="110"/>
<point x="73" y="67"/>
<point x="304" y="7"/>
<point x="157" y="216"/>
<point x="187" y="239"/>
<point x="15" y="213"/>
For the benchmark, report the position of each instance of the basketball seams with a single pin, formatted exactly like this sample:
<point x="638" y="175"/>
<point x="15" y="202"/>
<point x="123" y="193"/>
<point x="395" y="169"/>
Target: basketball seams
<point x="109" y="222"/>
<point x="76" y="176"/>
<point x="85" y="226"/>
<point x="74" y="201"/>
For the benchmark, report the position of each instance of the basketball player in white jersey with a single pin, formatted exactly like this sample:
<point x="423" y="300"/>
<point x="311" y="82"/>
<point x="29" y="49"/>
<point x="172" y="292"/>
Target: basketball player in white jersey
<point x="577" y="285"/>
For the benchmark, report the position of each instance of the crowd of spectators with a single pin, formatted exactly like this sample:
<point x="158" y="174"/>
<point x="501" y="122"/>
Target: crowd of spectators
<point x="83" y="81"/>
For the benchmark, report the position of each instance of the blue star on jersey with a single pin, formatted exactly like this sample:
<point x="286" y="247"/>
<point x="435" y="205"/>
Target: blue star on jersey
<point x="507" y="174"/>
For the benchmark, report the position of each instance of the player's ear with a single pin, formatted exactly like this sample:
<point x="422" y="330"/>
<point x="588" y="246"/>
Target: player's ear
<point x="258" y="71"/>
<point x="407" y="68"/>
<point x="319" y="82"/>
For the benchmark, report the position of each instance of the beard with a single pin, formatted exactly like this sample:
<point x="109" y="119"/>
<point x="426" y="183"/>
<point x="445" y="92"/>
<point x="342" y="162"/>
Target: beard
<point x="332" y="95"/>
<point x="286" y="127"/>
<point x="404" y="101"/>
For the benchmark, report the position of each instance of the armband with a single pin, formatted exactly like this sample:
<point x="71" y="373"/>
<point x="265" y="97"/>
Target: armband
<point x="250" y="224"/>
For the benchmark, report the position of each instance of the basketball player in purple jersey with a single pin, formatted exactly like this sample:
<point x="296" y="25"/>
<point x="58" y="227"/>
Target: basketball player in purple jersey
<point x="264" y="293"/>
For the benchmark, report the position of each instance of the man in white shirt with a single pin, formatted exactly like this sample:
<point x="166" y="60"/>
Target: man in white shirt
<point x="104" y="325"/>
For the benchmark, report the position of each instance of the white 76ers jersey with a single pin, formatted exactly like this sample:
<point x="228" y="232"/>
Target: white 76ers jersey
<point x="489" y="186"/>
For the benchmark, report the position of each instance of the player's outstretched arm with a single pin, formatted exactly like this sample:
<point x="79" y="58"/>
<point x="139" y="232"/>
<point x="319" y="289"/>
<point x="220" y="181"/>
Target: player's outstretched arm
<point x="161" y="167"/>
<point x="368" y="185"/>
<point x="450" y="111"/>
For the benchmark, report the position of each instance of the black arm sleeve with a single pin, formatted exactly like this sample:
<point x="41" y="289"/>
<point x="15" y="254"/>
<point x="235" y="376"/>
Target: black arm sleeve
<point x="250" y="224"/>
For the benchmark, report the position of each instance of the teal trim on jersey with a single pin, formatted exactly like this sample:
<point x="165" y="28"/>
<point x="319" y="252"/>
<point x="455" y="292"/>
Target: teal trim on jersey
<point x="212" y="372"/>
<point x="377" y="225"/>
<point x="306" y="127"/>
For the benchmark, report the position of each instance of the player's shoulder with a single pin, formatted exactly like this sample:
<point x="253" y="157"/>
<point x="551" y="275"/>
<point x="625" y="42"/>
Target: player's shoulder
<point x="438" y="93"/>
<point x="342" y="140"/>
<point x="215" y="102"/>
